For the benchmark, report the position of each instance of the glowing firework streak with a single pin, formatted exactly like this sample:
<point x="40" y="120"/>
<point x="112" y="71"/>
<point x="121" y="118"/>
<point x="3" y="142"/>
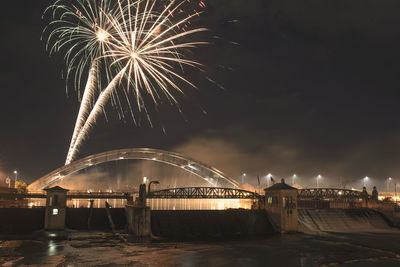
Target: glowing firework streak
<point x="98" y="107"/>
<point x="85" y="105"/>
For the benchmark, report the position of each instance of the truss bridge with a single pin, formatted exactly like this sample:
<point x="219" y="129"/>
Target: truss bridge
<point x="203" y="193"/>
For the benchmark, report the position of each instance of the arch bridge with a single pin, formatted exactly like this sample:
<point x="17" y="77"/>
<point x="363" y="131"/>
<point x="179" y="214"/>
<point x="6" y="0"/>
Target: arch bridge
<point x="328" y="194"/>
<point x="203" y="193"/>
<point x="210" y="174"/>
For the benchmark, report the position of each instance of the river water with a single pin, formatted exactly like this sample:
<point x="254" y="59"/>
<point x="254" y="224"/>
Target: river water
<point x="106" y="249"/>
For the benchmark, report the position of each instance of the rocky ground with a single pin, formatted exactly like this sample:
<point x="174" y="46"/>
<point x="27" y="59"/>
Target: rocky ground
<point x="106" y="249"/>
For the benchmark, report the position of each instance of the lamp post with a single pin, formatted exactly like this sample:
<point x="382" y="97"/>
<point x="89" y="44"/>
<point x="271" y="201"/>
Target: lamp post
<point x="16" y="176"/>
<point x="269" y="175"/>
<point x="366" y="180"/>
<point x="243" y="175"/>
<point x="145" y="180"/>
<point x="148" y="187"/>
<point x="318" y="178"/>
<point x="388" y="181"/>
<point x="293" y="177"/>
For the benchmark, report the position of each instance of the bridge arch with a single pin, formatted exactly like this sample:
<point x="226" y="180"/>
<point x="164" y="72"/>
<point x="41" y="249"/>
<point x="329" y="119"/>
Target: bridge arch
<point x="207" y="173"/>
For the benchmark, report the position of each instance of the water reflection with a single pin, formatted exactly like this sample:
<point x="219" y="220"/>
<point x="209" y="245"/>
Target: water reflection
<point x="199" y="204"/>
<point x="52" y="248"/>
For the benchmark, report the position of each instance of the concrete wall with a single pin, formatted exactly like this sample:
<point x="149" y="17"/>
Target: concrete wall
<point x="342" y="220"/>
<point x="138" y="220"/>
<point x="209" y="224"/>
<point x="77" y="218"/>
<point x="21" y="220"/>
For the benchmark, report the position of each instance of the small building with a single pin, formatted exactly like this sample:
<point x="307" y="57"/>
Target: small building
<point x="56" y="208"/>
<point x="281" y="206"/>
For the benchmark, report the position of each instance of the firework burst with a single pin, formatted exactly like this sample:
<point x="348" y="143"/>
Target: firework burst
<point x="140" y="46"/>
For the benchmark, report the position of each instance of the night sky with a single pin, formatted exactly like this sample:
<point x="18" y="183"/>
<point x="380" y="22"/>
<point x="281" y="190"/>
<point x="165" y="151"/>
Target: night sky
<point x="312" y="87"/>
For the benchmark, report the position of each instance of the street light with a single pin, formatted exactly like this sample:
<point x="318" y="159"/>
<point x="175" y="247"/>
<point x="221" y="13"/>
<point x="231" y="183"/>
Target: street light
<point x="293" y="177"/>
<point x="318" y="178"/>
<point x="243" y="175"/>
<point x="144" y="179"/>
<point x="388" y="181"/>
<point x="148" y="187"/>
<point x="366" y="180"/>
<point x="269" y="175"/>
<point x="16" y="175"/>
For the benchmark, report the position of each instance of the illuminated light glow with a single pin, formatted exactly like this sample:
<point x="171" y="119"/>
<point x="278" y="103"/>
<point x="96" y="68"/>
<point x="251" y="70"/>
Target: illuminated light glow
<point x="191" y="166"/>
<point x="102" y="35"/>
<point x="144" y="179"/>
<point x="121" y="157"/>
<point x="134" y="55"/>
<point x="55" y="211"/>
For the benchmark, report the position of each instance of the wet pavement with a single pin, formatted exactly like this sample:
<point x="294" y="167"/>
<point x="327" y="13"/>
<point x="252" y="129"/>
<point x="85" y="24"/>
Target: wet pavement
<point x="106" y="249"/>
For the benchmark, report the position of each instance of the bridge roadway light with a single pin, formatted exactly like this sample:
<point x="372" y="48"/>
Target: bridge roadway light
<point x="243" y="175"/>
<point x="293" y="177"/>
<point x="318" y="178"/>
<point x="16" y="175"/>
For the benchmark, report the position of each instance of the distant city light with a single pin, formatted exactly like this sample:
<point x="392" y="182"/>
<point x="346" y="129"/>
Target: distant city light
<point x="145" y="179"/>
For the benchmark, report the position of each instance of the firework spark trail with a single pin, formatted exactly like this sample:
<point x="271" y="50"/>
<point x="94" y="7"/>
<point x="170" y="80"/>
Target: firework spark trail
<point x="85" y="105"/>
<point x="95" y="112"/>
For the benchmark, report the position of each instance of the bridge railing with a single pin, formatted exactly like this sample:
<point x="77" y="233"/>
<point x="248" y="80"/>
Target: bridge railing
<point x="329" y="194"/>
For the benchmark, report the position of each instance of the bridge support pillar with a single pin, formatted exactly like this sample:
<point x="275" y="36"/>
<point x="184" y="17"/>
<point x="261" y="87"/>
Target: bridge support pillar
<point x="138" y="216"/>
<point x="281" y="206"/>
<point x="56" y="208"/>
